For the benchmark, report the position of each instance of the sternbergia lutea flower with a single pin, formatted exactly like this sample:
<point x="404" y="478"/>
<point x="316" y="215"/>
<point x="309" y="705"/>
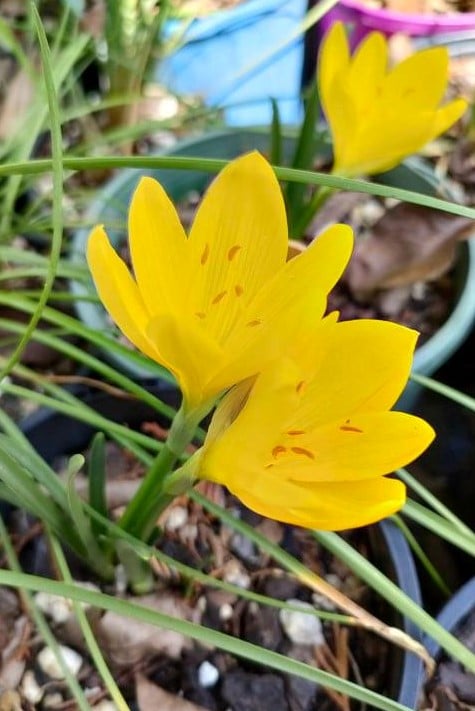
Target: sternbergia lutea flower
<point x="214" y="306"/>
<point x="378" y="115"/>
<point x="311" y="439"/>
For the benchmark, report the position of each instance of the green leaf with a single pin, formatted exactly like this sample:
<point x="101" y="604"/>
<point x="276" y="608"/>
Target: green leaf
<point x="275" y="150"/>
<point x="93" y="553"/>
<point x="97" y="480"/>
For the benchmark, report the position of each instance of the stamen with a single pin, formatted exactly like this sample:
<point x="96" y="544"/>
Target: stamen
<point x="279" y="449"/>
<point x="303" y="451"/>
<point x="238" y="290"/>
<point x="299" y="386"/>
<point x="293" y="433"/>
<point x="219" y="297"/>
<point x="205" y="255"/>
<point x="233" y="251"/>
<point x="256" y="322"/>
<point x="200" y="314"/>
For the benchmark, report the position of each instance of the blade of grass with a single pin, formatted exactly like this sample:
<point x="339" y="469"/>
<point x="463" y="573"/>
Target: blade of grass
<point x="435" y="503"/>
<point x="97" y="479"/>
<point x="438" y="525"/>
<point x="421" y="555"/>
<point x="82" y="524"/>
<point x="57" y="214"/>
<point x="214" y="165"/>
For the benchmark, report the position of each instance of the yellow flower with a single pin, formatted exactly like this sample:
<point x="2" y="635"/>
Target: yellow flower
<point x="309" y="442"/>
<point x="215" y="306"/>
<point x="379" y="116"/>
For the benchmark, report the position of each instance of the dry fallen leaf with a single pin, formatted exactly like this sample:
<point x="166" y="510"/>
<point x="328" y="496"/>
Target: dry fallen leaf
<point x="151" y="697"/>
<point x="408" y="244"/>
<point x="18" y="100"/>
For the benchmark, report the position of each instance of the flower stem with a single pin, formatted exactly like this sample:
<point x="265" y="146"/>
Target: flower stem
<point x="151" y="499"/>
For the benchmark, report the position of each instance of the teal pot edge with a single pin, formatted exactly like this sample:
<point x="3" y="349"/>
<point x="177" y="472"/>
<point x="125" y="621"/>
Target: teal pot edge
<point x="227" y="145"/>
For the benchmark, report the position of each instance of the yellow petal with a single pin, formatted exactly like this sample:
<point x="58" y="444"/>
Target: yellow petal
<point x="334" y="57"/>
<point x="118" y="291"/>
<point x="288" y="307"/>
<point x="420" y="80"/>
<point x="239" y="239"/>
<point x="245" y="444"/>
<point x="367" y="71"/>
<point x="157" y="248"/>
<point x="189" y="353"/>
<point x="446" y="116"/>
<point x="326" y="506"/>
<point x="358" y="447"/>
<point x="359" y="366"/>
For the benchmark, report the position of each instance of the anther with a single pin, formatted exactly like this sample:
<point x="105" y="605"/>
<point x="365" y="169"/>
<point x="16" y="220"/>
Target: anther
<point x="279" y="449"/>
<point x="256" y="322"/>
<point x="238" y="290"/>
<point x="305" y="452"/>
<point x="219" y="297"/>
<point x="205" y="255"/>
<point x="233" y="251"/>
<point x="349" y="428"/>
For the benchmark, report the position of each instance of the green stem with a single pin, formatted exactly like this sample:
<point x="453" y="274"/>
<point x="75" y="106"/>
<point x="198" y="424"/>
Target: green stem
<point x="151" y="499"/>
<point x="319" y="197"/>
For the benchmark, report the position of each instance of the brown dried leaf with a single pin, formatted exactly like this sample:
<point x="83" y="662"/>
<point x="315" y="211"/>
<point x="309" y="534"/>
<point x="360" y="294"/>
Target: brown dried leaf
<point x="18" y="100"/>
<point x="151" y="697"/>
<point x="408" y="244"/>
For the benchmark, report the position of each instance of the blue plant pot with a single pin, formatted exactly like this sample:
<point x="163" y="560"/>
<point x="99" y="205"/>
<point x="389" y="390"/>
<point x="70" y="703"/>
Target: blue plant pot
<point x="240" y="59"/>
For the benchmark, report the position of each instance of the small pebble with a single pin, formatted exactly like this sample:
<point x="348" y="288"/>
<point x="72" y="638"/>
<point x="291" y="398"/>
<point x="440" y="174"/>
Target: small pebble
<point x="60" y="609"/>
<point x="300" y="627"/>
<point x="235" y="574"/>
<point x="49" y="664"/>
<point x="53" y="700"/>
<point x="226" y="612"/>
<point x="30" y="688"/>
<point x="208" y="674"/>
<point x="177" y="517"/>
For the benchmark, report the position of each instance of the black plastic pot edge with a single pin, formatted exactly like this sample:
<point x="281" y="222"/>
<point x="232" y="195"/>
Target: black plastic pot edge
<point x="48" y="431"/>
<point x="453" y="612"/>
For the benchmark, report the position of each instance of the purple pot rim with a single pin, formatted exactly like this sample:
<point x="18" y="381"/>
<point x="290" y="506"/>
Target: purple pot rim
<point x="411" y="23"/>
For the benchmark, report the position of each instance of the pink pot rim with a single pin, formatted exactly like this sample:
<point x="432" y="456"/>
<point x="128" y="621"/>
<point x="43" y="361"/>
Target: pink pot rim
<point x="417" y="23"/>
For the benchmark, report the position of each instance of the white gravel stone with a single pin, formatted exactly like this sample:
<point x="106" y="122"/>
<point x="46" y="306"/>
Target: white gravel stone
<point x="300" y="627"/>
<point x="30" y="688"/>
<point x="226" y="612"/>
<point x="235" y="574"/>
<point x="177" y="518"/>
<point x="208" y="674"/>
<point x="50" y="665"/>
<point x="52" y="700"/>
<point x="59" y="609"/>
